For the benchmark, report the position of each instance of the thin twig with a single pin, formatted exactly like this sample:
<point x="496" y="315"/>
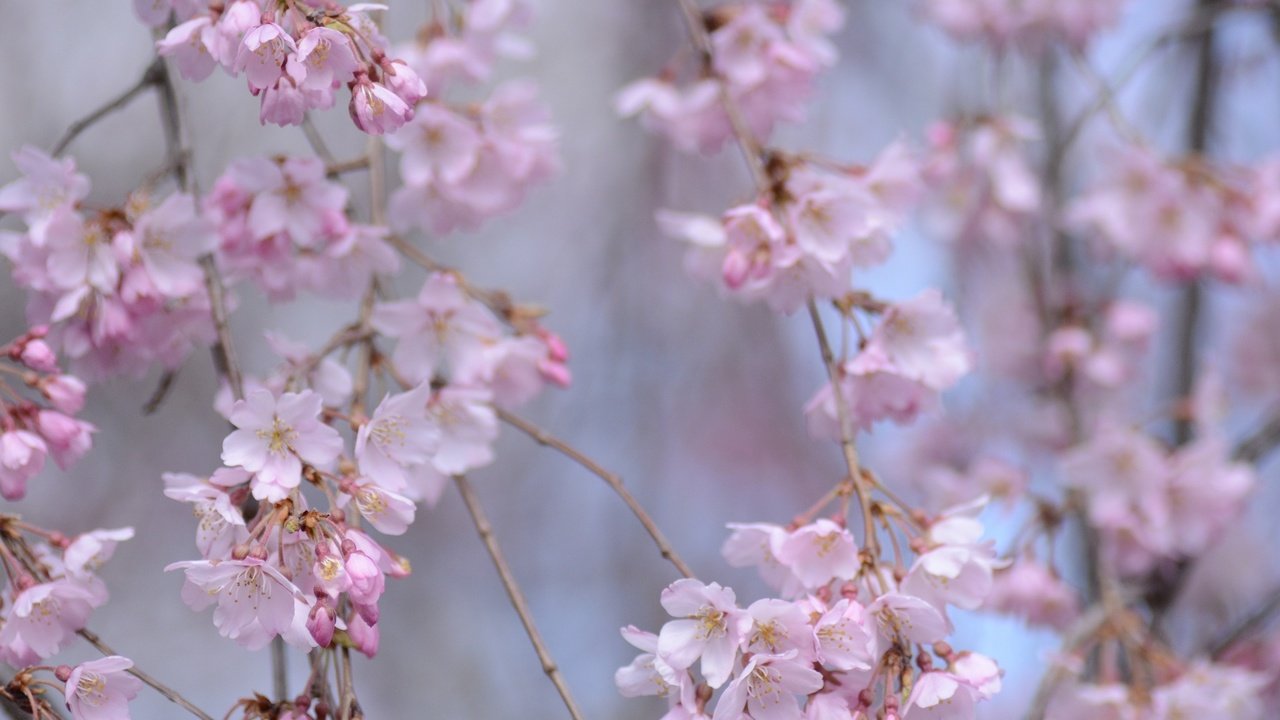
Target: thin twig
<point x="1259" y="442"/>
<point x="515" y="594"/>
<point x="546" y="439"/>
<point x="173" y="121"/>
<point x="847" y="447"/>
<point x="173" y="695"/>
<point x="161" y="392"/>
<point x="1251" y="622"/>
<point x="151" y="77"/>
<point x="316" y="141"/>
<point x="755" y="155"/>
<point x="1087" y="626"/>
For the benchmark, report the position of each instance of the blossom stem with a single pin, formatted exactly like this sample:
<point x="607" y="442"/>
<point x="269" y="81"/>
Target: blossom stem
<point x="546" y="439"/>
<point x="847" y="447"/>
<point x="173" y="695"/>
<point x="515" y="594"/>
<point x="153" y="76"/>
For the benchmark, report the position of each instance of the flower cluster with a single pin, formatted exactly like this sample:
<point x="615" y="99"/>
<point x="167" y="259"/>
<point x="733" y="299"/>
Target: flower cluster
<point x="1150" y="504"/>
<point x="31" y="430"/>
<point x="462" y="163"/>
<point x="804" y="240"/>
<point x="984" y="192"/>
<point x="310" y="572"/>
<point x="916" y="351"/>
<point x="1030" y="25"/>
<point x="294" y="56"/>
<point x="1180" y="220"/>
<point x="1201" y="689"/>
<point x="765" y="57"/>
<point x="52" y="587"/>
<point x="846" y="635"/>
<point x="120" y="289"/>
<point x="282" y="224"/>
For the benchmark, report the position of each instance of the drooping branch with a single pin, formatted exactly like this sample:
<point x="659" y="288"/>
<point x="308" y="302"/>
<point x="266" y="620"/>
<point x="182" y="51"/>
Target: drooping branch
<point x="515" y="594"/>
<point x="153" y="76"/>
<point x="546" y="439"/>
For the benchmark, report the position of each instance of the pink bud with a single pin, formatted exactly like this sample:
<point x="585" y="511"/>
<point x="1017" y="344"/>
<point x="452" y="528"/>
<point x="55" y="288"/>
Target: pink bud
<point x="555" y="373"/>
<point x="735" y="269"/>
<point x="370" y="613"/>
<point x="403" y="81"/>
<point x="66" y="392"/>
<point x="363" y="635"/>
<point x="37" y="355"/>
<point x="367" y="581"/>
<point x="1229" y="260"/>
<point x="56" y="428"/>
<point x="556" y="349"/>
<point x="320" y="623"/>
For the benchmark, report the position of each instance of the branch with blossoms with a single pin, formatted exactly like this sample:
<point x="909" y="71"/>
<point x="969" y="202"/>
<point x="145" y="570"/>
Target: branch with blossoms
<point x="285" y="552"/>
<point x="1116" y="501"/>
<point x="812" y="224"/>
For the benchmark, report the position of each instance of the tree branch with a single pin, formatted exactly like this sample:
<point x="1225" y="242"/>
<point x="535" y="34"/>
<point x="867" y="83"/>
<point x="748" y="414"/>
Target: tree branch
<point x="173" y="695"/>
<point x="546" y="439"/>
<point x="151" y="77"/>
<point x="515" y="594"/>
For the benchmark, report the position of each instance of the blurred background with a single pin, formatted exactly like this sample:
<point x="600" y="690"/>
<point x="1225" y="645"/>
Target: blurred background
<point x="694" y="400"/>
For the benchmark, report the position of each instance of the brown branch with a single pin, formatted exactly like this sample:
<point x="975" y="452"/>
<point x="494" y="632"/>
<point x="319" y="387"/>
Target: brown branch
<point x="546" y="439"/>
<point x="151" y="77"/>
<point x="515" y="594"/>
<point x="847" y="447"/>
<point x="1258" y="443"/>
<point x="1251" y="622"/>
<point x="161" y="392"/>
<point x="173" y="695"/>
<point x="755" y="155"/>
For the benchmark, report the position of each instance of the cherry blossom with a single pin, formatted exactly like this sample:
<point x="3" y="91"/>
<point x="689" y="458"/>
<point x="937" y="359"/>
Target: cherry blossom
<point x="101" y="689"/>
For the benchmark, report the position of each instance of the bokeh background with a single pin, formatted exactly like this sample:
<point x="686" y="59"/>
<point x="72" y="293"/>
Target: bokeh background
<point x="695" y="401"/>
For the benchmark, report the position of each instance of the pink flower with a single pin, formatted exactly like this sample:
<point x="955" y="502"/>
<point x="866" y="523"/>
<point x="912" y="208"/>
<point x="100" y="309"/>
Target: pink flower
<point x="758" y="544"/>
<point x="89" y="551"/>
<point x="843" y="640"/>
<point x="780" y="626"/>
<point x="468" y="426"/>
<point x="820" y="552"/>
<point x="22" y="456"/>
<point x="262" y="55"/>
<point x="292" y="196"/>
<point x="1029" y="590"/>
<point x="275" y="436"/>
<point x="956" y="566"/>
<point x="377" y="110"/>
<point x="220" y="524"/>
<point x="170" y="238"/>
<point x="389" y="512"/>
<point x="649" y="674"/>
<point x="710" y="626"/>
<point x="101" y="689"/>
<point x="438" y="145"/>
<point x="327" y="56"/>
<point x="42" y="617"/>
<point x="80" y="253"/>
<point x="191" y="47"/>
<point x="767" y="688"/>
<point x="255" y="602"/>
<point x="46" y="185"/>
<point x="943" y="696"/>
<point x="399" y="440"/>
